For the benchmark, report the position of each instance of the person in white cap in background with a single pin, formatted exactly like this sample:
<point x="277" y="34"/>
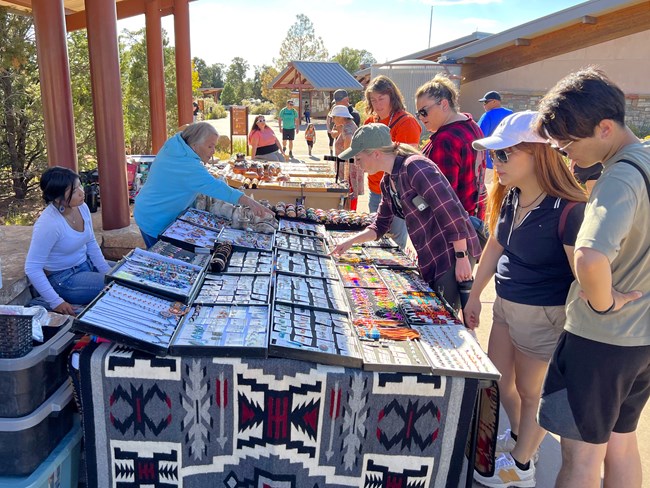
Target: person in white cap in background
<point x="341" y="97"/>
<point x="537" y="208"/>
<point x="345" y="128"/>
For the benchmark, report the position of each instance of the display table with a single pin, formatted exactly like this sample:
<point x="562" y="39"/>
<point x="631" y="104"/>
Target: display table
<point x="204" y="421"/>
<point x="313" y="197"/>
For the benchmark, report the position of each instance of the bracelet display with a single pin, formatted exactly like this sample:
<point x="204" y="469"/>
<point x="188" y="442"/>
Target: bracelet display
<point x="602" y="312"/>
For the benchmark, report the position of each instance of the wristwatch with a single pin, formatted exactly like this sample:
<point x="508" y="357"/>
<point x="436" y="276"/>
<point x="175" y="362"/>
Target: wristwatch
<point x="461" y="254"/>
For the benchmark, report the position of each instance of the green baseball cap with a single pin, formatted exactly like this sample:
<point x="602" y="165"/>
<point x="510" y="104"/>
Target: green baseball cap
<point x="371" y="136"/>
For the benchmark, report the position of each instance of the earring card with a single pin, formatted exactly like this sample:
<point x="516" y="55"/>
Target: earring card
<point x="312" y="335"/>
<point x="223" y="330"/>
<point x="302" y="264"/>
<point x="234" y="289"/>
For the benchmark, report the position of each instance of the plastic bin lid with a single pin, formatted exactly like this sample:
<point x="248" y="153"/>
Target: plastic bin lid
<point x="57" y="402"/>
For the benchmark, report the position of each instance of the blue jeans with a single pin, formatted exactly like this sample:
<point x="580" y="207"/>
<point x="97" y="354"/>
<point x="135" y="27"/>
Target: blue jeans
<point x="78" y="285"/>
<point x="397" y="228"/>
<point x="148" y="240"/>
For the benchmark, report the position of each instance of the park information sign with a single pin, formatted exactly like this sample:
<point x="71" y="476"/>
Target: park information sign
<point x="238" y="123"/>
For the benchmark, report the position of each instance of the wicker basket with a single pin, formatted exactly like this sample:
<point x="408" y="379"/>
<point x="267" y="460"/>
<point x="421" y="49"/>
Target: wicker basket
<point x="15" y="335"/>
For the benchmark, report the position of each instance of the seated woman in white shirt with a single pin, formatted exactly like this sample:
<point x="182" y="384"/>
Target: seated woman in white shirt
<point x="64" y="263"/>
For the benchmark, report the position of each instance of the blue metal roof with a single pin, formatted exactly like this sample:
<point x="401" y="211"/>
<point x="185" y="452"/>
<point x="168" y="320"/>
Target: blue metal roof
<point x="321" y="75"/>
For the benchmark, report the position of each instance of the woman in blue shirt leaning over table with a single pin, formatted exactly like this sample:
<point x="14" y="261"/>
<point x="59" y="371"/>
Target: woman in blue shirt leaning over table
<point x="177" y="177"/>
<point x="534" y="220"/>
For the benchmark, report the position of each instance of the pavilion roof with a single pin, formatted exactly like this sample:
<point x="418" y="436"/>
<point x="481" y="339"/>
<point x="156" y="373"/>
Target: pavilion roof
<point x="315" y="75"/>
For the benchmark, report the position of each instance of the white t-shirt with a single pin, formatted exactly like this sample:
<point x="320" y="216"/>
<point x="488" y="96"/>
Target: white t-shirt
<point x="56" y="246"/>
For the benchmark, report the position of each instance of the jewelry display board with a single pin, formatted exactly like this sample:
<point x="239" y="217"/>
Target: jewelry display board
<point x="354" y="255"/>
<point x="132" y="317"/>
<point x="189" y="236"/>
<point x="250" y="262"/>
<point x="360" y="276"/>
<point x="159" y="274"/>
<point x="171" y="251"/>
<point x="403" y="280"/>
<point x="317" y="293"/>
<point x="388" y="257"/>
<point x="204" y="219"/>
<point x="308" y="244"/>
<point x="234" y="289"/>
<point x="377" y="303"/>
<point x="337" y="236"/>
<point x="401" y="356"/>
<point x="302" y="228"/>
<point x="223" y="330"/>
<point x="453" y="350"/>
<point x="421" y="308"/>
<point x="305" y="264"/>
<point x="312" y="335"/>
<point x="246" y="239"/>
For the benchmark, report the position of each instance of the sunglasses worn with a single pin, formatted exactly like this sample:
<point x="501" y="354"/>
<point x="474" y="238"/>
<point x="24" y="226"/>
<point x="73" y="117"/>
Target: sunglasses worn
<point x="261" y="120"/>
<point x="502" y="155"/>
<point x="561" y="150"/>
<point x="424" y="111"/>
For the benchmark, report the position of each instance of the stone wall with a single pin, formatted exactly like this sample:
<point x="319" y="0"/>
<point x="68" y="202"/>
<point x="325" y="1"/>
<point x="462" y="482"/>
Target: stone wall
<point x="637" y="108"/>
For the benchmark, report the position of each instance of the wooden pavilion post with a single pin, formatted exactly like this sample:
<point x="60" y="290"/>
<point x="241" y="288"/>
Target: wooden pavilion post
<point x="56" y="91"/>
<point x="101" y="21"/>
<point x="156" y="72"/>
<point x="183" y="61"/>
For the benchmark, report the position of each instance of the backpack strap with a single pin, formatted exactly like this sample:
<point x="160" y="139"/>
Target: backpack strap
<point x="394" y="123"/>
<point x="563" y="216"/>
<point x="645" y="176"/>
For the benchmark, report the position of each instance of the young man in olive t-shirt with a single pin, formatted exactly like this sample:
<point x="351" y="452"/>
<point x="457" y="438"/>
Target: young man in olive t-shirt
<point x="598" y="380"/>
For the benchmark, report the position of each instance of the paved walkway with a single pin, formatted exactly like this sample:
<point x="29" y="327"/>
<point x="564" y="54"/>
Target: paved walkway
<point x="14" y="242"/>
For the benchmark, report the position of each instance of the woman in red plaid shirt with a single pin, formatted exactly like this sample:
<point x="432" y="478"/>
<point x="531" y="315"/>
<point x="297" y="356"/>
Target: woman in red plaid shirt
<point x="450" y="145"/>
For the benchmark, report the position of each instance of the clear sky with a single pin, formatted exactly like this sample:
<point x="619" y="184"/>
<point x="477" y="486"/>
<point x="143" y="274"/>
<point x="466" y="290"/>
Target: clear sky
<point x="255" y="29"/>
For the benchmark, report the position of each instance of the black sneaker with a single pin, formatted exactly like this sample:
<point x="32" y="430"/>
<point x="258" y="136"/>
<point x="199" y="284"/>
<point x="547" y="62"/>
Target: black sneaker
<point x="290" y="154"/>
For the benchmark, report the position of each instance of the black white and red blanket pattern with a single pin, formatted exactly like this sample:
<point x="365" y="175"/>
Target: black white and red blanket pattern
<point x="169" y="422"/>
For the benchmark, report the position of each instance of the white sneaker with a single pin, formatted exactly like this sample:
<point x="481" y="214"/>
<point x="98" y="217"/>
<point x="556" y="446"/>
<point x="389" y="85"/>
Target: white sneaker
<point x="505" y="443"/>
<point x="506" y="473"/>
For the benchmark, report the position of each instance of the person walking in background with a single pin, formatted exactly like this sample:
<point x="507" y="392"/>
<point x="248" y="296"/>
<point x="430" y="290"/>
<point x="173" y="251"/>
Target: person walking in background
<point x="450" y="144"/>
<point x="415" y="189"/>
<point x="494" y="113"/>
<point x="64" y="262"/>
<point x="345" y="129"/>
<point x="341" y="98"/>
<point x="329" y="125"/>
<point x="307" y="113"/>
<point x="533" y="225"/>
<point x="263" y="141"/>
<point x="310" y="136"/>
<point x="598" y="380"/>
<point x="288" y="122"/>
<point x="385" y="105"/>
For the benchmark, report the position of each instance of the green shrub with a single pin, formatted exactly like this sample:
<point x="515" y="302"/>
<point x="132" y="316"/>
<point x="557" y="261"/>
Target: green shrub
<point x="263" y="108"/>
<point x="213" y="110"/>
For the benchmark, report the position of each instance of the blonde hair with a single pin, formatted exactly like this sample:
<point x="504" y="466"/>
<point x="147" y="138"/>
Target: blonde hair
<point x="439" y="88"/>
<point x="553" y="176"/>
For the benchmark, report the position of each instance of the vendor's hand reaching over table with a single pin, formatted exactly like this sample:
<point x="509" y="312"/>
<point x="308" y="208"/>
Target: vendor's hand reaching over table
<point x="257" y="209"/>
<point x="343" y="246"/>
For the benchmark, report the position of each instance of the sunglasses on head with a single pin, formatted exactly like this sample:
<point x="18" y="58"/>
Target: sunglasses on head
<point x="502" y="155"/>
<point x="424" y="111"/>
<point x="561" y="150"/>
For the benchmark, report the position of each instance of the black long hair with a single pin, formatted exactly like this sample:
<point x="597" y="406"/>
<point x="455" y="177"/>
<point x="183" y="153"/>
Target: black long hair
<point x="55" y="181"/>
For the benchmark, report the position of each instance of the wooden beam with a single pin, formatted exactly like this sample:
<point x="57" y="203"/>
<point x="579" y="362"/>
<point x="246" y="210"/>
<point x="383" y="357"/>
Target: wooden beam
<point x="520" y="41"/>
<point x="617" y="24"/>
<point x="588" y="19"/>
<point x="125" y="9"/>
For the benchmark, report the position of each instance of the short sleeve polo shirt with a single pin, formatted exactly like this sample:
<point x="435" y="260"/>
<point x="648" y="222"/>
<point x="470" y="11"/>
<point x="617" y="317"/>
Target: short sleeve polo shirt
<point x="534" y="269"/>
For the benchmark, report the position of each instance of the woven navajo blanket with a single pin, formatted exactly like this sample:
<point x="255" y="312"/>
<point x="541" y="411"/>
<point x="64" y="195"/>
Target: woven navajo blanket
<point x="197" y="422"/>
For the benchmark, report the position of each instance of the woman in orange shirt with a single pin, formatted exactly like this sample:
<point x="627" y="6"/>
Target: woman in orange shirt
<point x="385" y="105"/>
